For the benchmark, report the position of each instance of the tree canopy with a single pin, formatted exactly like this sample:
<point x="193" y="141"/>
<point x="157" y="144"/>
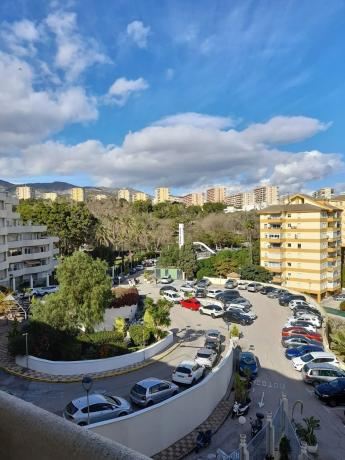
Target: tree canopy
<point x="85" y="292"/>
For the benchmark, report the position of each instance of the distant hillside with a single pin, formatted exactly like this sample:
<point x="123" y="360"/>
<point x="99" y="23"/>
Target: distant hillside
<point x="5" y="184"/>
<point x="40" y="186"/>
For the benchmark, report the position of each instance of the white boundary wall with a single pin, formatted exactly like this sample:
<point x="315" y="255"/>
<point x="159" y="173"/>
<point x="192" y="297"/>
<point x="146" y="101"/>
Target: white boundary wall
<point x="94" y="365"/>
<point x="153" y="429"/>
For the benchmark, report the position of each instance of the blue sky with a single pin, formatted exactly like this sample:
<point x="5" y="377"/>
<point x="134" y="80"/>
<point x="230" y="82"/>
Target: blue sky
<point x="178" y="93"/>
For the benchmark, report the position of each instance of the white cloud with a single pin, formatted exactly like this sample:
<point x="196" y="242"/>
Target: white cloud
<point x="122" y="88"/>
<point x="138" y="33"/>
<point x="74" y="52"/>
<point x="181" y="156"/>
<point x="20" y="37"/>
<point x="28" y="115"/>
<point x="198" y="120"/>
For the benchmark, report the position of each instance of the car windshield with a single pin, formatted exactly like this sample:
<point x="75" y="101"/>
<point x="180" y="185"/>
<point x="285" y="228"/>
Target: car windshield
<point x="337" y="384"/>
<point x="183" y="370"/>
<point x="203" y="355"/>
<point x="112" y="400"/>
<point x="139" y="389"/>
<point x="71" y="409"/>
<point x="213" y="334"/>
<point x="306" y="358"/>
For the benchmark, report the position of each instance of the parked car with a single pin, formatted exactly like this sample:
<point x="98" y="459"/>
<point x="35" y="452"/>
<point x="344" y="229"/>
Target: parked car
<point x="187" y="288"/>
<point x="285" y="299"/>
<point x="293" y="330"/>
<point x="213" y="292"/>
<point x="215" y="346"/>
<point x="339" y="297"/>
<point x="101" y="407"/>
<point x="166" y="279"/>
<point x="203" y="283"/>
<point x="227" y="295"/>
<point x="200" y="293"/>
<point x="242" y="301"/>
<point x="230" y="284"/>
<point x="236" y="306"/>
<point x="291" y="353"/>
<point x="213" y="310"/>
<point x="254" y="287"/>
<point x="314" y="357"/>
<point x="309" y="318"/>
<point x="332" y="393"/>
<point x="249" y="314"/>
<point x="267" y="289"/>
<point x="309" y="310"/>
<point x="237" y="317"/>
<point x="139" y="267"/>
<point x="206" y="357"/>
<point x="151" y="391"/>
<point x="188" y="373"/>
<point x="213" y="335"/>
<point x="167" y="288"/>
<point x="248" y="364"/>
<point x="42" y="291"/>
<point x="299" y="303"/>
<point x="192" y="303"/>
<point x="172" y="296"/>
<point x="296" y="323"/>
<point x="276" y="293"/>
<point x="295" y="341"/>
<point x="191" y="282"/>
<point x="242" y="285"/>
<point x="315" y="373"/>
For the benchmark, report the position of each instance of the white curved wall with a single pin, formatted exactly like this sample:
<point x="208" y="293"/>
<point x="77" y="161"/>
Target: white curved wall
<point x="154" y="429"/>
<point x="94" y="365"/>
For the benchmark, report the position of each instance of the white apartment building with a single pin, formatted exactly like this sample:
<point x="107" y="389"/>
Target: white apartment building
<point x="24" y="192"/>
<point x="162" y="194"/>
<point x="124" y="194"/>
<point x="26" y="251"/>
<point x="325" y="193"/>
<point x="52" y="196"/>
<point x="78" y="194"/>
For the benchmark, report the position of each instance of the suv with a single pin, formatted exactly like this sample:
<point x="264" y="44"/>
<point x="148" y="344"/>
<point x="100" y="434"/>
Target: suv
<point x="230" y="284"/>
<point x="315" y="373"/>
<point x="200" y="293"/>
<point x="285" y="299"/>
<point x="254" y="287"/>
<point x="206" y="357"/>
<point x="172" y="296"/>
<point x="188" y="372"/>
<point x="237" y="317"/>
<point x="203" y="283"/>
<point x="166" y="279"/>
<point x="314" y="357"/>
<point x="227" y="295"/>
<point x="212" y="310"/>
<point x="151" y="391"/>
<point x="267" y="289"/>
<point x="215" y="346"/>
<point x="164" y="289"/>
<point x="213" y="335"/>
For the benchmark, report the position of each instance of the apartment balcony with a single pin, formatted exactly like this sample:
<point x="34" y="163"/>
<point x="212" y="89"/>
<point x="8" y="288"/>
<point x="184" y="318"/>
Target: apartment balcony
<point x="32" y="270"/>
<point x="3" y="230"/>
<point x="273" y="255"/>
<point x="33" y="256"/>
<point x="3" y="247"/>
<point x="275" y="217"/>
<point x="26" y="229"/>
<point x="44" y="241"/>
<point x="4" y="265"/>
<point x="274" y="237"/>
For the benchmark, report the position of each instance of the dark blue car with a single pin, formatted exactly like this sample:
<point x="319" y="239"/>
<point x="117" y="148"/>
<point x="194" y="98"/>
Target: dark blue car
<point x="302" y="350"/>
<point x="248" y="364"/>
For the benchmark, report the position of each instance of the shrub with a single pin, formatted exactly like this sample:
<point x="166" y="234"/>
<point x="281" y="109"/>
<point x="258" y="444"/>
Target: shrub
<point x="342" y="305"/>
<point x="139" y="334"/>
<point x="120" y="326"/>
<point x="234" y="332"/>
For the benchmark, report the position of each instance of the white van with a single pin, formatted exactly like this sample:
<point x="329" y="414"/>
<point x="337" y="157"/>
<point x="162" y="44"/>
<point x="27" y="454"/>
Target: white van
<point x="314" y="357"/>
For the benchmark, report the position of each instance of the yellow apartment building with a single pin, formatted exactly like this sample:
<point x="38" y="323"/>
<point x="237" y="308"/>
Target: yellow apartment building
<point x="77" y="194"/>
<point x="300" y="243"/>
<point x="216" y="195"/>
<point x="140" y="196"/>
<point x="124" y="194"/>
<point x="24" y="192"/>
<point x="162" y="194"/>
<point x="193" y="199"/>
<point x="339" y="202"/>
<point x="52" y="196"/>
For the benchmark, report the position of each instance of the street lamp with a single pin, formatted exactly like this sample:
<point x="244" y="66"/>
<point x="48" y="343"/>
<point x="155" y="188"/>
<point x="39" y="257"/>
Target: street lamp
<point x="26" y="349"/>
<point x="87" y="383"/>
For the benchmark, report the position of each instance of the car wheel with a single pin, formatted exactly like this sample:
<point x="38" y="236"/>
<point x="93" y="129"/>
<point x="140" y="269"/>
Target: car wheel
<point x="213" y="315"/>
<point x="332" y="403"/>
<point x="175" y="393"/>
<point x="122" y="414"/>
<point x="149" y="404"/>
<point x="82" y="423"/>
<point x="192" y="382"/>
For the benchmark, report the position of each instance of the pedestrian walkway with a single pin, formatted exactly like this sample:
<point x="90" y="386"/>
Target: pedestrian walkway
<point x="8" y="364"/>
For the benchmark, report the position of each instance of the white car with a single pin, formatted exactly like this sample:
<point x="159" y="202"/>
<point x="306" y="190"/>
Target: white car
<point x="165" y="279"/>
<point x="187" y="288"/>
<point x="312" y="319"/>
<point x="250" y="314"/>
<point x="242" y="285"/>
<point x="299" y="303"/>
<point x="235" y="306"/>
<point x="212" y="310"/>
<point x="296" y="323"/>
<point x="172" y="296"/>
<point x="45" y="290"/>
<point x="213" y="292"/>
<point x="206" y="357"/>
<point x="188" y="372"/>
<point x="314" y="357"/>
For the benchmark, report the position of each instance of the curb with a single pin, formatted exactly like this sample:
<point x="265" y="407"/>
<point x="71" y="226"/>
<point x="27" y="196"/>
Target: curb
<point x="97" y="376"/>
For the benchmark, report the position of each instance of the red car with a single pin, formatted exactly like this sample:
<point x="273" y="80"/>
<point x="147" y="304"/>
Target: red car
<point x="287" y="331"/>
<point x="192" y="303"/>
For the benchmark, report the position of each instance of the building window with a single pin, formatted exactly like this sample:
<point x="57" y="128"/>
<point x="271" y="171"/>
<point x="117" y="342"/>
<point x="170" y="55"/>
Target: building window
<point x="289" y="245"/>
<point x="289" y="215"/>
<point x="299" y="245"/>
<point x="289" y="264"/>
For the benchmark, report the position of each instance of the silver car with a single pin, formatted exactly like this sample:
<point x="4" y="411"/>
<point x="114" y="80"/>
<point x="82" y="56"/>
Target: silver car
<point x="151" y="391"/>
<point x="316" y="373"/>
<point x="101" y="407"/>
<point x="213" y="335"/>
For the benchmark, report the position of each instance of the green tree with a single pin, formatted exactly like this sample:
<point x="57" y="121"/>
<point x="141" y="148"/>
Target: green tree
<point x="120" y="326"/>
<point x="255" y="273"/>
<point x="142" y="206"/>
<point x="338" y="342"/>
<point x="71" y="222"/>
<point x="224" y="266"/>
<point x="149" y="321"/>
<point x="139" y="334"/>
<point x="85" y="292"/>
<point x="169" y="256"/>
<point x="187" y="260"/>
<point x="213" y="207"/>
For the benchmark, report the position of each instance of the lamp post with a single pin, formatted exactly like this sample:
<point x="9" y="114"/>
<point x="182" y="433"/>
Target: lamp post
<point x="26" y="349"/>
<point x="87" y="383"/>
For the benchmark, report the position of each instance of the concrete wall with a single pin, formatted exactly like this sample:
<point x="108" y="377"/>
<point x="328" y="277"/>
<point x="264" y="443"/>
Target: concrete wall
<point x="28" y="432"/>
<point x="154" y="429"/>
<point x="94" y="365"/>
